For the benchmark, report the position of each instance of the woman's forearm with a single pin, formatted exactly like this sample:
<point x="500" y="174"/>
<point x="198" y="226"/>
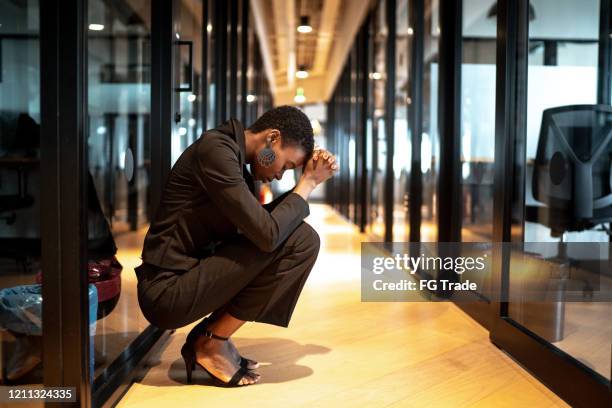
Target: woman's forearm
<point x="305" y="186"/>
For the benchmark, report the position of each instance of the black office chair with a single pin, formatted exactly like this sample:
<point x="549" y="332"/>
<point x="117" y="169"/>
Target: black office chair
<point x="572" y="173"/>
<point x="572" y="179"/>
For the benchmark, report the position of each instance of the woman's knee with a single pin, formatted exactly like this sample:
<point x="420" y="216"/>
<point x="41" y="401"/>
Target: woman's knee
<point x="155" y="312"/>
<point x="307" y="238"/>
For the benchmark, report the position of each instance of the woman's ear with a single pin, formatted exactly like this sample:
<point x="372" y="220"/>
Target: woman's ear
<point x="274" y="135"/>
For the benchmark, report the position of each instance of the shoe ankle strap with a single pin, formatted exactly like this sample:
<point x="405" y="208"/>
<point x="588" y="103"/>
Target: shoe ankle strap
<point x="211" y="335"/>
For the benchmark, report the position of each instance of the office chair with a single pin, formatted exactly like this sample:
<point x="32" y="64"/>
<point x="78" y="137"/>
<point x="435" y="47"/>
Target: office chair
<point x="573" y="169"/>
<point x="572" y="178"/>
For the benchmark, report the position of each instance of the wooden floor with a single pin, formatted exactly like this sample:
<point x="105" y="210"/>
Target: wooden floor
<point x="340" y="352"/>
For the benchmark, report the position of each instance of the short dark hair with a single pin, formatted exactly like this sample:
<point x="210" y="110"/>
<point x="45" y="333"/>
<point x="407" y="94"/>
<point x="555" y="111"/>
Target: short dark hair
<point x="293" y="125"/>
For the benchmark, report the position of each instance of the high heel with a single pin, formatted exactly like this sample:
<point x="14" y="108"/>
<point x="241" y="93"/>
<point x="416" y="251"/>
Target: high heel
<point x="202" y="327"/>
<point x="189" y="356"/>
<point x="189" y="359"/>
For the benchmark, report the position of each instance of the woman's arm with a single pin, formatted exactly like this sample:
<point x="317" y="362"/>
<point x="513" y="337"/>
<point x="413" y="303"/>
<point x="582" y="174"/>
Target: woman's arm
<point x="272" y="204"/>
<point x="321" y="166"/>
<point x="218" y="170"/>
<point x="322" y="160"/>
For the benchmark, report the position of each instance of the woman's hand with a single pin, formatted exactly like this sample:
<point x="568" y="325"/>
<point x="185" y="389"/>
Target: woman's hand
<point x="321" y="166"/>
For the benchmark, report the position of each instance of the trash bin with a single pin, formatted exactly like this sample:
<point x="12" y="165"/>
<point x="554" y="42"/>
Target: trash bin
<point x="21" y="312"/>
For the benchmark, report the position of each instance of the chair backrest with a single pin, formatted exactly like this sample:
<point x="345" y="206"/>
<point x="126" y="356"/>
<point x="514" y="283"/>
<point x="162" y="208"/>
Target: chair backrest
<point x="573" y="167"/>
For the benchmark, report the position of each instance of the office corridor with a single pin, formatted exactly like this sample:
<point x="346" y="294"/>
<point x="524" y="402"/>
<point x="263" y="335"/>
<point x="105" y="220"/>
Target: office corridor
<point x="340" y="352"/>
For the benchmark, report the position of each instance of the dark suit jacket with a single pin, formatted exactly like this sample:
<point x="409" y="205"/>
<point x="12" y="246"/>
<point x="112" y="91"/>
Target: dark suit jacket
<point x="209" y="197"/>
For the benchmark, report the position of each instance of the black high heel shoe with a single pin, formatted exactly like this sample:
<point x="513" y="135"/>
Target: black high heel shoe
<point x="202" y="327"/>
<point x="189" y="356"/>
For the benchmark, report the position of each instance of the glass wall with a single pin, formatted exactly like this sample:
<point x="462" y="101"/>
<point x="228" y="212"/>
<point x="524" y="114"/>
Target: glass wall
<point x="430" y="148"/>
<point x="20" y="206"/>
<point x="189" y="95"/>
<point x="119" y="106"/>
<point x="210" y="87"/>
<point x="379" y="138"/>
<point x="401" y="130"/>
<point x="567" y="120"/>
<point x="478" y="119"/>
<point x="355" y="113"/>
<point x="565" y="131"/>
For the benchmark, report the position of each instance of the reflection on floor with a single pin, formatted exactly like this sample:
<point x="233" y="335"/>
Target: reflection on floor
<point x="339" y="351"/>
<point x="117" y="330"/>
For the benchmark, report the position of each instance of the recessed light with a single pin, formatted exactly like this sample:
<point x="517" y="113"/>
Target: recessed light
<point x="301" y="73"/>
<point x="304" y="26"/>
<point x="96" y="27"/>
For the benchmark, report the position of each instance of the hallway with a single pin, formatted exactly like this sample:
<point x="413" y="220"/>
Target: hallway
<point x="340" y="352"/>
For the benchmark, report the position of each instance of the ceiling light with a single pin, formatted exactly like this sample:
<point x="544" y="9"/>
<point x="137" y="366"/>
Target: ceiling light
<point x="96" y="27"/>
<point x="299" y="96"/>
<point x="191" y="97"/>
<point x="304" y="26"/>
<point x="375" y="75"/>
<point x="209" y="28"/>
<point x="302" y="73"/>
<point x="410" y="31"/>
<point x="182" y="131"/>
<point x="250" y="98"/>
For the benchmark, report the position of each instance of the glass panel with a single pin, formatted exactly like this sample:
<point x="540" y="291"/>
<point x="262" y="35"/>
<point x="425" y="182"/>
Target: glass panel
<point x="188" y="75"/>
<point x="369" y="131"/>
<point x="403" y="148"/>
<point x="379" y="147"/>
<point x="478" y="119"/>
<point x="210" y="66"/>
<point x="351" y="134"/>
<point x="20" y="178"/>
<point x="251" y="73"/>
<point x="118" y="42"/>
<point x="240" y="115"/>
<point x="430" y="148"/>
<point x="564" y="181"/>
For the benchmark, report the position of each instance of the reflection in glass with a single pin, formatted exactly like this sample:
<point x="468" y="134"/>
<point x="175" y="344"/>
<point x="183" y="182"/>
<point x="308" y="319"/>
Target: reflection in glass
<point x="20" y="241"/>
<point x="119" y="160"/>
<point x="566" y="180"/>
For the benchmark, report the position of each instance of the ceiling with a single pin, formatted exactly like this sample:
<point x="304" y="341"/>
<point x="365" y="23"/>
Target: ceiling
<point x="321" y="52"/>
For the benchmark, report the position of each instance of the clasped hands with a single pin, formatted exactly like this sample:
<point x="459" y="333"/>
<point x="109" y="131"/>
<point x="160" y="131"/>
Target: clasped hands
<point x="321" y="166"/>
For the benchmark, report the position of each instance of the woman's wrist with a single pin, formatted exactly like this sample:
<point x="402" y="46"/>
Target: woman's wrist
<point x="305" y="186"/>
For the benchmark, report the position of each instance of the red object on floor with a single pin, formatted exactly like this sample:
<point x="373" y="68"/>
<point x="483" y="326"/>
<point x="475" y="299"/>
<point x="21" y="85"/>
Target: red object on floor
<point x="105" y="274"/>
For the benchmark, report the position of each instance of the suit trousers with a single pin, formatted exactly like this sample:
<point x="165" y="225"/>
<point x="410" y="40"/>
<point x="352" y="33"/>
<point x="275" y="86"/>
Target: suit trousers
<point x="238" y="278"/>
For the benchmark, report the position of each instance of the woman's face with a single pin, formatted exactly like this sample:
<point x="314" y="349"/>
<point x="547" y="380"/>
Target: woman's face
<point x="287" y="157"/>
